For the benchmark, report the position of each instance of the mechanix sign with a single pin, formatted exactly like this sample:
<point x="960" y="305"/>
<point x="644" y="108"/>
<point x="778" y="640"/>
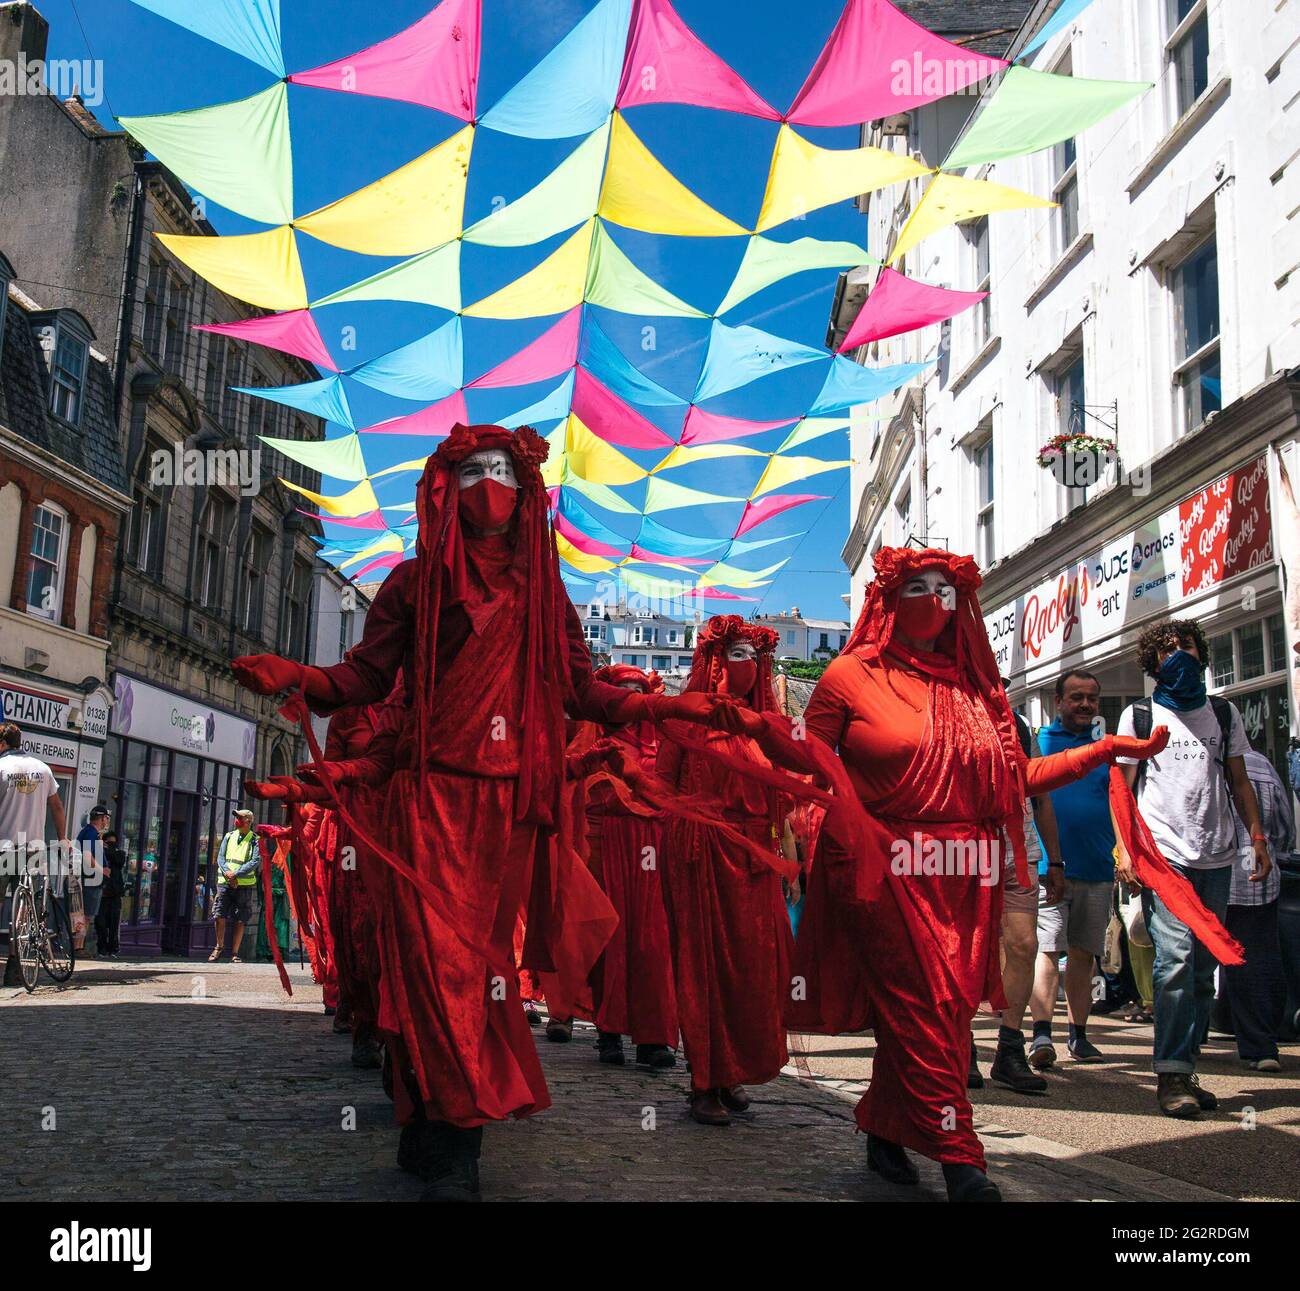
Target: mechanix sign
<point x="1222" y="530"/>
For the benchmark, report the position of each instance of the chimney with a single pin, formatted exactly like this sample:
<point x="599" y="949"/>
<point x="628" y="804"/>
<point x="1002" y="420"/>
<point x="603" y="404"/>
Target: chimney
<point x="23" y="30"/>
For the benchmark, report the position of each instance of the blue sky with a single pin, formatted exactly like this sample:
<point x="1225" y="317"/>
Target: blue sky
<point x="342" y="142"/>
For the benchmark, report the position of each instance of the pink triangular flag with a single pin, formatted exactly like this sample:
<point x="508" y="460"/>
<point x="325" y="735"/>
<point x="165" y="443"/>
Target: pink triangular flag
<point x="772" y="505"/>
<point x="616" y="422"/>
<point x="668" y="63"/>
<point x="371" y="520"/>
<point x="653" y="558"/>
<point x="710" y="427"/>
<point x="899" y="304"/>
<point x="553" y="352"/>
<point x="437" y="419"/>
<point x="434" y="63"/>
<point x="293" y="333"/>
<point x="553" y="496"/>
<point x="879" y="62"/>
<point x="389" y="561"/>
<point x="584" y="541"/>
<point x="716" y="594"/>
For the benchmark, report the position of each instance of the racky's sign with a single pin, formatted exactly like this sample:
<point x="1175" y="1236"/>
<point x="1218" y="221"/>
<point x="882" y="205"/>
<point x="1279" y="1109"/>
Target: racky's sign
<point x="1223" y="530"/>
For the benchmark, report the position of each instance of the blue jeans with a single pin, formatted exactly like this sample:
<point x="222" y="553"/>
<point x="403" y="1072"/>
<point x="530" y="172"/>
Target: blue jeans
<point x="1183" y="976"/>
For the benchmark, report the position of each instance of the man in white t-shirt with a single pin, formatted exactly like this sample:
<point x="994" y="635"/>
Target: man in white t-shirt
<point x="27" y="790"/>
<point x="1191" y="795"/>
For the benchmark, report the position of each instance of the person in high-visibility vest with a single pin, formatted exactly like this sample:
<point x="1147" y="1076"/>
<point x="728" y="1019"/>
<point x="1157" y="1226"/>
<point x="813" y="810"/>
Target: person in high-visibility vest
<point x="238" y="861"/>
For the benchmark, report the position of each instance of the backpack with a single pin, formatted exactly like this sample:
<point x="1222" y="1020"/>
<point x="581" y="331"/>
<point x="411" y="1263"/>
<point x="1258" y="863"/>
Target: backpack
<point x="1142" y="720"/>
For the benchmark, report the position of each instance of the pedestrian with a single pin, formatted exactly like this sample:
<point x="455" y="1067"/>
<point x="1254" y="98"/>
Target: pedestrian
<point x="109" y="918"/>
<point x="1256" y="990"/>
<point x="1020" y="908"/>
<point x="492" y="656"/>
<point x="28" y="790"/>
<point x="91" y="873"/>
<point x="1188" y="795"/>
<point x="1075" y="926"/>
<point x="238" y="861"/>
<point x="909" y="946"/>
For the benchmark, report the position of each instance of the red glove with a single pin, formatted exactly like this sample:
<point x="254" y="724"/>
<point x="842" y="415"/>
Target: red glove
<point x="267" y="674"/>
<point x="283" y="788"/>
<point x="323" y="773"/>
<point x="1056" y="770"/>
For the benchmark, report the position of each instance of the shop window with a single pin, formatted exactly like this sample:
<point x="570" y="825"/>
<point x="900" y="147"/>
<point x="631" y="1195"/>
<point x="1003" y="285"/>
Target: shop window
<point x="1188" y="50"/>
<point x="136" y="755"/>
<point x="185" y="772"/>
<point x="1197" y="383"/>
<point x="111" y="766"/>
<point x="49" y="554"/>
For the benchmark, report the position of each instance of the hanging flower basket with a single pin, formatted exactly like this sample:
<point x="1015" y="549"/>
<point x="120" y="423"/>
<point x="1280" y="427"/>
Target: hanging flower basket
<point x="1077" y="461"/>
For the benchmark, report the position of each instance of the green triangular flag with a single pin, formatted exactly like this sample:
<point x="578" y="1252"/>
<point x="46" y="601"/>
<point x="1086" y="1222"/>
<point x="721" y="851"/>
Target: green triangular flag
<point x="811" y="428"/>
<point x="616" y="283"/>
<point x="664" y="495"/>
<point x="1032" y="110"/>
<point x="566" y="197"/>
<point x="767" y="262"/>
<point x="340" y="458"/>
<point x="431" y="278"/>
<point x="236" y="154"/>
<point x="601" y="494"/>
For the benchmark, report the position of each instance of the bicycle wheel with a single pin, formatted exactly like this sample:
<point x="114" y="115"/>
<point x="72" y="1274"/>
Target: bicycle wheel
<point x="57" y="954"/>
<point x="24" y="935"/>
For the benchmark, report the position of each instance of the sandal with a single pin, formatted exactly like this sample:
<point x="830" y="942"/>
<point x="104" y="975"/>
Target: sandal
<point x="216" y="955"/>
<point x="234" y="959"/>
<point x="1139" y="1014"/>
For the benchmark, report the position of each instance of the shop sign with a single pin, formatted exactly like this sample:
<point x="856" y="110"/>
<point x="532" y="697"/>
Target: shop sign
<point x="157" y="716"/>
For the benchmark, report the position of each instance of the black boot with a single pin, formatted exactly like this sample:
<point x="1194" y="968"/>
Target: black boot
<point x="655" y="1057"/>
<point x="449" y="1163"/>
<point x="609" y="1048"/>
<point x="366" y="1050"/>
<point x="342" y="1019"/>
<point x="969" y="1183"/>
<point x="1010" y="1067"/>
<point x="974" y="1080"/>
<point x="890" y="1162"/>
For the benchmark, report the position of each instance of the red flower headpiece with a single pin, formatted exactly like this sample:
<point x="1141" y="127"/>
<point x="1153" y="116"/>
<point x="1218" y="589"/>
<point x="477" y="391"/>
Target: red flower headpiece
<point x="895" y="565"/>
<point x="711" y="644"/>
<point x="528" y="449"/>
<point x="618" y="674"/>
<point x="725" y="628"/>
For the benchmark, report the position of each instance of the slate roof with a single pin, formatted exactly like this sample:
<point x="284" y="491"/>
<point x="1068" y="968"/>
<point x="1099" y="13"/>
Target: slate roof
<point x="24" y="402"/>
<point x="963" y="21"/>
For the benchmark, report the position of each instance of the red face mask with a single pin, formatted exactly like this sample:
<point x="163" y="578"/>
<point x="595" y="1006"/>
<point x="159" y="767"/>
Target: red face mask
<point x="489" y="504"/>
<point x="741" y="676"/>
<point x="921" y="617"/>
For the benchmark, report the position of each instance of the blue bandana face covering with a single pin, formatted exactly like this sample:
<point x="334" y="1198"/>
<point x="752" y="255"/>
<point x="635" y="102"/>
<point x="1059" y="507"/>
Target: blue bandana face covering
<point x="1180" y="683"/>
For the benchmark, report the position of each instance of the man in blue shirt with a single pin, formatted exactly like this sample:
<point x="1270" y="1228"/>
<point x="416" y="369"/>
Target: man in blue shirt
<point x="90" y="853"/>
<point x="1076" y="924"/>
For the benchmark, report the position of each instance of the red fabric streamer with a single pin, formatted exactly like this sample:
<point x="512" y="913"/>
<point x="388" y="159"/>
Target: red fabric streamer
<point x="268" y="916"/>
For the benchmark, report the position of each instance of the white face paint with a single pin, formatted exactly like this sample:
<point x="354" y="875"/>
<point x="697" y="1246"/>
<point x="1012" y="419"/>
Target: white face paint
<point x="489" y="464"/>
<point x="931" y="582"/>
<point x="741" y="650"/>
<point x="629" y="685"/>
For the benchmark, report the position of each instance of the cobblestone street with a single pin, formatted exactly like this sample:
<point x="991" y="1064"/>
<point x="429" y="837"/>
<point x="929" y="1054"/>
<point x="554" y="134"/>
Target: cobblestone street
<point x="177" y="1080"/>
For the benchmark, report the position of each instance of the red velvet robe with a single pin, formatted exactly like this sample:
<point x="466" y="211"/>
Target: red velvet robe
<point x="727" y="921"/>
<point x="315" y="839"/>
<point x="633" y="979"/>
<point x="449" y="993"/>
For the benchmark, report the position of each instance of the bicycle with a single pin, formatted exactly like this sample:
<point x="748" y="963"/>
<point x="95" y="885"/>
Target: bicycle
<point x="40" y="932"/>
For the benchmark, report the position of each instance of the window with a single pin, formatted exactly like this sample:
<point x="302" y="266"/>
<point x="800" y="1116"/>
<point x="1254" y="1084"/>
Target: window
<point x="296" y="602"/>
<point x="1071" y="419"/>
<point x="214" y="531"/>
<point x="844" y="639"/>
<point x="1065" y="183"/>
<point x="1221" y="665"/>
<point x="257" y="564"/>
<point x="683" y="661"/>
<point x="6" y="277"/>
<point x="155" y="302"/>
<point x="229" y="399"/>
<point x="257" y="410"/>
<point x="903" y="510"/>
<point x="1251" y="640"/>
<point x="1189" y="51"/>
<point x="674" y="637"/>
<point x="984" y="549"/>
<point x="661" y="662"/>
<point x="49" y="555"/>
<point x="149" y="516"/>
<point x="634" y="660"/>
<point x="977" y="235"/>
<point x="825" y="642"/>
<point x="176" y="324"/>
<point x="213" y="374"/>
<point x="1195" y="284"/>
<point x="68" y="376"/>
<point x="789" y="638"/>
<point x="594" y="631"/>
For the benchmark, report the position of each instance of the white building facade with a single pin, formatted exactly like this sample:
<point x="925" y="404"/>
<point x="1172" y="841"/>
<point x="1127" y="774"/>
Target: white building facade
<point x="1157" y="306"/>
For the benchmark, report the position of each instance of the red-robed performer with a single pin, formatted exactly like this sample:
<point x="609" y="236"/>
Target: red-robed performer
<point x="493" y="657"/>
<point x="904" y="939"/>
<point x="633" y="980"/>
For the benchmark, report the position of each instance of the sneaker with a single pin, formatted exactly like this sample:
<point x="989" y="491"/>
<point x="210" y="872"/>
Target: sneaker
<point x="1042" y="1053"/>
<point x="974" y="1077"/>
<point x="1175" y="1096"/>
<point x="1263" y="1064"/>
<point x="1085" y="1051"/>
<point x="531" y="1013"/>
<point x="1010" y="1069"/>
<point x="1205" y="1100"/>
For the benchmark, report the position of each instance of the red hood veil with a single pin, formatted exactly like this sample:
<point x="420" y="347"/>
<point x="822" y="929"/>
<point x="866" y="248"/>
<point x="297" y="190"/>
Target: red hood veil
<point x="442" y="582"/>
<point x="619" y="674"/>
<point x="711" y="652"/>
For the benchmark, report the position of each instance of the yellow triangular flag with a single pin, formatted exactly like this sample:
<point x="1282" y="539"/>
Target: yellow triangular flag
<point x="415" y="464"/>
<point x="553" y="287"/>
<point x="414" y="209"/>
<point x="356" y="501"/>
<point x="686" y="454"/>
<point x="601" y="494"/>
<point x="950" y="199"/>
<point x="804" y="177"/>
<point x="385" y="542"/>
<point x="592" y="459"/>
<point x="582" y="560"/>
<point x="639" y="192"/>
<point x="261" y="268"/>
<point x="785" y="470"/>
